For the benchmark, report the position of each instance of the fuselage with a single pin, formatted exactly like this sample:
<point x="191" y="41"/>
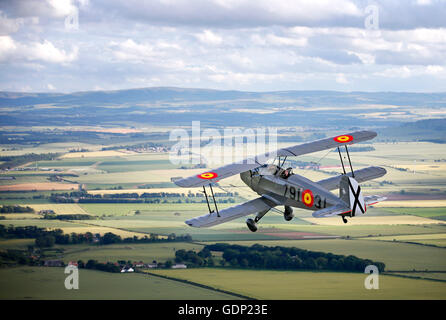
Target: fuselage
<point x="294" y="190"/>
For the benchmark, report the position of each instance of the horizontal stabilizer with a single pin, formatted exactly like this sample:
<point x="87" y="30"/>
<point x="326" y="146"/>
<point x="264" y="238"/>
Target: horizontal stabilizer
<point x="371" y="200"/>
<point x="337" y="209"/>
<point x="360" y="176"/>
<point x="225" y="215"/>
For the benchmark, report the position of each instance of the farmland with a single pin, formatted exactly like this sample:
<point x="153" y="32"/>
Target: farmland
<point x="47" y="283"/>
<point x="285" y="285"/>
<point x="407" y="232"/>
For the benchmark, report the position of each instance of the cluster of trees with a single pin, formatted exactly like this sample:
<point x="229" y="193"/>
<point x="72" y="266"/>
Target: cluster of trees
<point x="93" y="264"/>
<point x="77" y="216"/>
<point x="47" y="238"/>
<point x="16" y="209"/>
<point x="201" y="259"/>
<point x="13" y="256"/>
<point x="14" y="161"/>
<point x="263" y="257"/>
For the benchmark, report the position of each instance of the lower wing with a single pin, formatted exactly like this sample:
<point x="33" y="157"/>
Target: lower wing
<point x="225" y="215"/>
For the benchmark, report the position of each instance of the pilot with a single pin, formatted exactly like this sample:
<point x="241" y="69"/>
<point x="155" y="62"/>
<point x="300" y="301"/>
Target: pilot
<point x="287" y="172"/>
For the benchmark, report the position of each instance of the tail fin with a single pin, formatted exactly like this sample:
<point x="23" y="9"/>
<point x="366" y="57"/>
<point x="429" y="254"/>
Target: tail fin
<point x="350" y="192"/>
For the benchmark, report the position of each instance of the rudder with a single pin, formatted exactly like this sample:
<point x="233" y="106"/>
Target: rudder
<point x="350" y="192"/>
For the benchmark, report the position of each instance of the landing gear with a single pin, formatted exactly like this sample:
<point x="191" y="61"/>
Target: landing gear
<point x="288" y="214"/>
<point x="252" y="225"/>
<point x="344" y="219"/>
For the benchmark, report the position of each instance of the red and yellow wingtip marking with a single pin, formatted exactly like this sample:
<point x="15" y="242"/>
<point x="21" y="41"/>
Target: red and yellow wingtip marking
<point x="343" y="138"/>
<point x="207" y="175"/>
<point x="308" y="198"/>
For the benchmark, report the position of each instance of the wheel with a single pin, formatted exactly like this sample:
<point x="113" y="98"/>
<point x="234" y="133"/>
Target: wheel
<point x="288" y="214"/>
<point x="251" y="225"/>
<point x="344" y="219"/>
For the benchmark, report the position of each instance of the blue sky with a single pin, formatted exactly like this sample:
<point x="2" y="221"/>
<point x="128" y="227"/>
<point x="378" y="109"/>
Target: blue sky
<point x="82" y="45"/>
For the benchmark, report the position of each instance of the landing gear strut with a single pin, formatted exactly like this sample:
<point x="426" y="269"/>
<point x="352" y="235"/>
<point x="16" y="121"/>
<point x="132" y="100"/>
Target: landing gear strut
<point x="252" y="223"/>
<point x="344" y="219"/>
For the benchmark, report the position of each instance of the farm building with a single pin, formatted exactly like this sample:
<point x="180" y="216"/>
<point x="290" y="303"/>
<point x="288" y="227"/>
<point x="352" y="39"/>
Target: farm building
<point x="179" y="266"/>
<point x="53" y="263"/>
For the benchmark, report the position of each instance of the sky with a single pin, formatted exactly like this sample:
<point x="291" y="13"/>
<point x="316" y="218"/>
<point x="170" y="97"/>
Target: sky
<point x="261" y="45"/>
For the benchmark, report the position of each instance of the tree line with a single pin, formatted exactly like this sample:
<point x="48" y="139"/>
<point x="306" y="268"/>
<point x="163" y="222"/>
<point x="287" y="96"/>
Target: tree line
<point x="14" y="161"/>
<point x="16" y="209"/>
<point x="281" y="258"/>
<point x="47" y="238"/>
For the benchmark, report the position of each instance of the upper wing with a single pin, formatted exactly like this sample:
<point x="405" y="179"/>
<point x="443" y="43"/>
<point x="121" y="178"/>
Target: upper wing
<point x="253" y="206"/>
<point x="251" y="163"/>
<point x="328" y="143"/>
<point x="217" y="174"/>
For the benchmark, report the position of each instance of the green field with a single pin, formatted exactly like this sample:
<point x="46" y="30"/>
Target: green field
<point x="284" y="285"/>
<point x="421" y="212"/>
<point x="146" y="252"/>
<point x="48" y="283"/>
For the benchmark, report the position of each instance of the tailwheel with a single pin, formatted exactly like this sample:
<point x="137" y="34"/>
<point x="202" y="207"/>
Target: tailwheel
<point x="344" y="219"/>
<point x="251" y="225"/>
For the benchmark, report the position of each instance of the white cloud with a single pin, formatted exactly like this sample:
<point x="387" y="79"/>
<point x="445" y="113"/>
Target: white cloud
<point x="7" y="47"/>
<point x="209" y="37"/>
<point x="340" y="78"/>
<point x="45" y="51"/>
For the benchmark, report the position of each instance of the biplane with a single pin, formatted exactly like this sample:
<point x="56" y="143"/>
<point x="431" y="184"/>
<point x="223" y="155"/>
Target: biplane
<point x="280" y="186"/>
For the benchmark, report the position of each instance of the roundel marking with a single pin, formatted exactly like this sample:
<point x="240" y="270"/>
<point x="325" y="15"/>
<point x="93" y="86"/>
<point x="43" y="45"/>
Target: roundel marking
<point x="343" y="139"/>
<point x="307" y="198"/>
<point x="208" y="175"/>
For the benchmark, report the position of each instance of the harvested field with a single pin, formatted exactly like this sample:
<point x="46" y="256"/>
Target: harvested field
<point x="411" y="204"/>
<point x="384" y="220"/>
<point x="39" y="186"/>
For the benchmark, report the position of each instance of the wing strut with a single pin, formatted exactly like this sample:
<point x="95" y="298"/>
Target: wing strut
<point x="342" y="162"/>
<point x="207" y="200"/>
<point x="349" y="161"/>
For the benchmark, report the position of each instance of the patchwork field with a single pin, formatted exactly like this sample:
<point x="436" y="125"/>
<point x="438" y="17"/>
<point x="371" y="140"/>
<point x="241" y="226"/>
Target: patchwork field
<point x="59" y="208"/>
<point x="415" y="213"/>
<point x="285" y="285"/>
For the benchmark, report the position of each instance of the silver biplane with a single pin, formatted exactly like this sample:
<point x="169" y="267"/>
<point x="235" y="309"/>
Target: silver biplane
<point x="278" y="186"/>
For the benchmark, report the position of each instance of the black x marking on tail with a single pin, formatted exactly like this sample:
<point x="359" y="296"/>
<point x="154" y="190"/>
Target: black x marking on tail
<point x="356" y="195"/>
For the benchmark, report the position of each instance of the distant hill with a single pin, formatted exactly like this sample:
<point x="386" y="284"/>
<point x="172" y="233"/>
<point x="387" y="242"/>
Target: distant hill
<point x="431" y="130"/>
<point x="180" y="106"/>
<point x="171" y="94"/>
